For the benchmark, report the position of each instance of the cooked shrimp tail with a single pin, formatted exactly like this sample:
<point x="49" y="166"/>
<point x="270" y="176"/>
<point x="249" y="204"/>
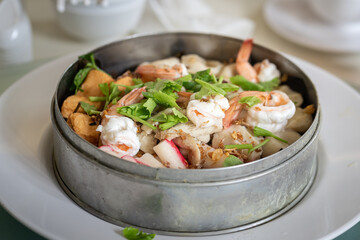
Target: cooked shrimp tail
<point x="243" y="67"/>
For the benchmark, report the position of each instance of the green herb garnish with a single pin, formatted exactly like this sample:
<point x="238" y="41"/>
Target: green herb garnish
<point x="231" y="160"/>
<point x="259" y="145"/>
<point x="250" y="101"/>
<point x="110" y="93"/>
<point x="161" y="98"/>
<point x="263" y="132"/>
<point x="250" y="86"/>
<point x="169" y="120"/>
<point x="131" y="233"/>
<point x="89" y="109"/>
<point x="205" y="76"/>
<point x="81" y="75"/>
<point x="238" y="146"/>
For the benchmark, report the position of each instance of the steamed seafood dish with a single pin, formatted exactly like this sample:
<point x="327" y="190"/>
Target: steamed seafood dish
<point x="188" y="112"/>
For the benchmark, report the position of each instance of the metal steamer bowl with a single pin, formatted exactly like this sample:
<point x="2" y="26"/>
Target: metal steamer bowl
<point x="190" y="201"/>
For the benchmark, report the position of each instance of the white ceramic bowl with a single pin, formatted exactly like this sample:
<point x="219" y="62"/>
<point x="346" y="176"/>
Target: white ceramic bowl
<point x="96" y="22"/>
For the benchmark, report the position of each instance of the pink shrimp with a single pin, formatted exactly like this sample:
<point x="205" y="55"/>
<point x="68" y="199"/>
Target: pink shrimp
<point x="243" y="67"/>
<point x="150" y="72"/>
<point x="260" y="72"/>
<point x="132" y="97"/>
<point x="272" y="113"/>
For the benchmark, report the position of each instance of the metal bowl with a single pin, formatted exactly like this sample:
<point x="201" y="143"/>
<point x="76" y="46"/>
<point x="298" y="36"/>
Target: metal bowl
<point x="191" y="201"/>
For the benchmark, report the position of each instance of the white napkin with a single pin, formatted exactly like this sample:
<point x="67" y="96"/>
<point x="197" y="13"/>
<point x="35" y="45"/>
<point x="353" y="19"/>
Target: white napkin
<point x="198" y="16"/>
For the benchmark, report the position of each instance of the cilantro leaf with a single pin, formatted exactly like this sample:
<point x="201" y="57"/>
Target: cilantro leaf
<point x="131" y="233"/>
<point x="250" y="101"/>
<point x="169" y="120"/>
<point x="79" y="79"/>
<point x="263" y="132"/>
<point x="270" y="85"/>
<point x="110" y="93"/>
<point x="245" y="84"/>
<point x="89" y="109"/>
<point x="211" y="87"/>
<point x="205" y="76"/>
<point x="231" y="160"/>
<point x="139" y="112"/>
<point x="250" y="86"/>
<point x="227" y="87"/>
<point x="161" y="98"/>
<point x="128" y="88"/>
<point x="81" y="75"/>
<point x="186" y="78"/>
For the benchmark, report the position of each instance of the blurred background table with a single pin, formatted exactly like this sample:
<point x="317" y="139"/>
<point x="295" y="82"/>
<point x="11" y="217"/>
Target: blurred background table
<point x="50" y="42"/>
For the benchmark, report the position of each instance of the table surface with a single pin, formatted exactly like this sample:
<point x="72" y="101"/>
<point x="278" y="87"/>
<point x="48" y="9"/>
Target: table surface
<point x="49" y="42"/>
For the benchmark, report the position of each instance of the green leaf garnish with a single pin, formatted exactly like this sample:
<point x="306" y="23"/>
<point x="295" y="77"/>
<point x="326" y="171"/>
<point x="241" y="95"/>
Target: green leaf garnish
<point x="97" y="99"/>
<point x="129" y="88"/>
<point x="169" y="120"/>
<point x="238" y="146"/>
<point x="161" y="98"/>
<point x="89" y="109"/>
<point x="270" y="85"/>
<point x="205" y="76"/>
<point x="250" y="101"/>
<point x="81" y="75"/>
<point x="137" y="81"/>
<point x="227" y="87"/>
<point x="211" y="87"/>
<point x="139" y="112"/>
<point x="137" y="119"/>
<point x="131" y="233"/>
<point x="250" y="86"/>
<point x="110" y="93"/>
<point x="231" y="160"/>
<point x="186" y="78"/>
<point x="265" y="133"/>
<point x="259" y="145"/>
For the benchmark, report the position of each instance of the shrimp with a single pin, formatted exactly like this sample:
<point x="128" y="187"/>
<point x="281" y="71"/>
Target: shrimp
<point x="243" y="67"/>
<point x="164" y="69"/>
<point x="132" y="97"/>
<point x="260" y="72"/>
<point x="120" y="133"/>
<point x="272" y="113"/>
<point x="208" y="111"/>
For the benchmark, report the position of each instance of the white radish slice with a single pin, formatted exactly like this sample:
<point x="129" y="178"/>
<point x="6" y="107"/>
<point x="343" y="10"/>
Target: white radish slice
<point x="129" y="158"/>
<point x="150" y="161"/>
<point x="170" y="155"/>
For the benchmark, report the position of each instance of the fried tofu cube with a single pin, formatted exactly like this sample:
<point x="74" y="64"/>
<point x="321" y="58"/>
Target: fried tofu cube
<point x="127" y="80"/>
<point x="71" y="103"/>
<point x="84" y="126"/>
<point x="92" y="81"/>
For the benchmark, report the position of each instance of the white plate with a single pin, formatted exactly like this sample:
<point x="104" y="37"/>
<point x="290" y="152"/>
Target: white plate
<point x="30" y="192"/>
<point x="295" y="21"/>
